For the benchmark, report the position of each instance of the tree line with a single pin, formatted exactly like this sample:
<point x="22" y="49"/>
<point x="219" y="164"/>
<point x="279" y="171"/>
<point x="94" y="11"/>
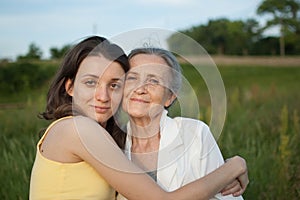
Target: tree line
<point x="35" y="53"/>
<point x="222" y="36"/>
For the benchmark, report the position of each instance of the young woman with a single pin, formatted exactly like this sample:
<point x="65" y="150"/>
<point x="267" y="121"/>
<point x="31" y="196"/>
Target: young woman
<point x="78" y="156"/>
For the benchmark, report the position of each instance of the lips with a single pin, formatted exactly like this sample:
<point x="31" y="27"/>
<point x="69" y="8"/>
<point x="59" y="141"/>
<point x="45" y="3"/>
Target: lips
<point x="139" y="100"/>
<point x="101" y="109"/>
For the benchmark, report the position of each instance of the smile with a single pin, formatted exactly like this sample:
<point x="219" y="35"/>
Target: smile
<point x="139" y="100"/>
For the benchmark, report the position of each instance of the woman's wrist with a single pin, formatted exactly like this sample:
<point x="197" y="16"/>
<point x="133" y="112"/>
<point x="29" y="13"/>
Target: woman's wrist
<point x="239" y="164"/>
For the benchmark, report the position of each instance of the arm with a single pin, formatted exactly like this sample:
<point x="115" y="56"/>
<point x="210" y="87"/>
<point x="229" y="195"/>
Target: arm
<point x="213" y="182"/>
<point x="238" y="186"/>
<point x="94" y="145"/>
<point x="210" y="158"/>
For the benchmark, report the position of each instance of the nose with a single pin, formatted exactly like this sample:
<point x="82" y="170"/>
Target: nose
<point x="102" y="93"/>
<point x="141" y="89"/>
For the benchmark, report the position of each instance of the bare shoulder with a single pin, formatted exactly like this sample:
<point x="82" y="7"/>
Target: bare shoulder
<point x="62" y="143"/>
<point x="72" y="125"/>
<point x="88" y="130"/>
<point x="68" y="130"/>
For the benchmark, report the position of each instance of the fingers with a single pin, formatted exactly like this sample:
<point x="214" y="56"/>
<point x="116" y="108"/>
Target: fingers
<point x="238" y="187"/>
<point x="232" y="188"/>
<point x="231" y="185"/>
<point x="238" y="193"/>
<point x="244" y="180"/>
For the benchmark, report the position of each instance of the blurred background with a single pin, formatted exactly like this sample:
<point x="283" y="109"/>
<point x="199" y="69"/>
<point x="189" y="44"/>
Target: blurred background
<point x="255" y="45"/>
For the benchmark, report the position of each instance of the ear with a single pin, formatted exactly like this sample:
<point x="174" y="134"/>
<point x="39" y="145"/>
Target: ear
<point x="170" y="100"/>
<point x="69" y="87"/>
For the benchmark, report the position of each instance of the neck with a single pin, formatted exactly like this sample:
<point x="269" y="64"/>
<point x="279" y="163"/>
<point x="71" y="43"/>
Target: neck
<point x="145" y="145"/>
<point x="145" y="127"/>
<point x="144" y="151"/>
<point x="145" y="141"/>
<point x="145" y="134"/>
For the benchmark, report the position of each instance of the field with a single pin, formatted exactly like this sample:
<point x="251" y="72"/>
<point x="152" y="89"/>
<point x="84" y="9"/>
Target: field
<point x="262" y="125"/>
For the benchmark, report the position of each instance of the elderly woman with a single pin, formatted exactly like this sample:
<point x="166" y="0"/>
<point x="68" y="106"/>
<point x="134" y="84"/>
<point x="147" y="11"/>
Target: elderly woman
<point x="174" y="152"/>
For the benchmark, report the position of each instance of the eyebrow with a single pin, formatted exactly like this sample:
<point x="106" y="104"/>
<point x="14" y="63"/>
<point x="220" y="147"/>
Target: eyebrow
<point x="129" y="72"/>
<point x="97" y="77"/>
<point x="117" y="79"/>
<point x="154" y="75"/>
<point x="148" y="75"/>
<point x="91" y="75"/>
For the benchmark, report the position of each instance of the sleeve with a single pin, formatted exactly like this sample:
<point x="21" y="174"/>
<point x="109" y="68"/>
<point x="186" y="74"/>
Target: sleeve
<point x="209" y="157"/>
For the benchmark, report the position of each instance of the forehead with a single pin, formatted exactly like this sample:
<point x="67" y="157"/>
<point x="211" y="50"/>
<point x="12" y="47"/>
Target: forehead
<point x="146" y="59"/>
<point x="99" y="66"/>
<point x="148" y="64"/>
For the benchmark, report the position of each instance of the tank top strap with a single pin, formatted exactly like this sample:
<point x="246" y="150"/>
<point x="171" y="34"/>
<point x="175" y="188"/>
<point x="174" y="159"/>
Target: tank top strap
<point x="49" y="127"/>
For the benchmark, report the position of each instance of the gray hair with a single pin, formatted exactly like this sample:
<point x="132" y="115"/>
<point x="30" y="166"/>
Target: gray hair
<point x="170" y="59"/>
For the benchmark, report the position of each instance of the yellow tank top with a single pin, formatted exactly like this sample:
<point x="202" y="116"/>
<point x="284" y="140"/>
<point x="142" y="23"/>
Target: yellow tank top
<point x="60" y="181"/>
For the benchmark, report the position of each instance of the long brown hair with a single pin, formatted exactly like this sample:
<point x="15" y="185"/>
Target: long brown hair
<point x="59" y="102"/>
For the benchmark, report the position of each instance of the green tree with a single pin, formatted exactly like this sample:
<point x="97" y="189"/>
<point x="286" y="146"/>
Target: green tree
<point x="57" y="53"/>
<point x="284" y="13"/>
<point x="252" y="33"/>
<point x="221" y="36"/>
<point x="34" y="52"/>
<point x="218" y="30"/>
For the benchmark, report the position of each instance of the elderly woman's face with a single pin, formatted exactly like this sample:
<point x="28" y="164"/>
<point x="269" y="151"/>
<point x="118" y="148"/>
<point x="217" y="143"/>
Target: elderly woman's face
<point x="147" y="88"/>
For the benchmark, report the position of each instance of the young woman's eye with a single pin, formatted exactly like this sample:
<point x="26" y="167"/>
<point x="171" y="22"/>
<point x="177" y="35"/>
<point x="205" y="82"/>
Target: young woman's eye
<point x="90" y="83"/>
<point x="115" y="86"/>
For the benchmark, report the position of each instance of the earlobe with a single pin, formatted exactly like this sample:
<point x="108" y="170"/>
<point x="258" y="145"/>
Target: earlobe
<point x="170" y="100"/>
<point x="69" y="87"/>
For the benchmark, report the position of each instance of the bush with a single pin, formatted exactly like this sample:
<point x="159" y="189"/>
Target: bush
<point x="24" y="76"/>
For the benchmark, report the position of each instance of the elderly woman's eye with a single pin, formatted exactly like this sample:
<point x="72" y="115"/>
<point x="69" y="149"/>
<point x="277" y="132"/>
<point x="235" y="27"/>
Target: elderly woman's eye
<point x="130" y="78"/>
<point x="153" y="81"/>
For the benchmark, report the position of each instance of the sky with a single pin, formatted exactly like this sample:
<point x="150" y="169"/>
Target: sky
<point x="55" y="23"/>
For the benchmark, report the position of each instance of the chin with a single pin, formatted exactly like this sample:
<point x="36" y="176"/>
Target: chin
<point x="137" y="114"/>
<point x="103" y="119"/>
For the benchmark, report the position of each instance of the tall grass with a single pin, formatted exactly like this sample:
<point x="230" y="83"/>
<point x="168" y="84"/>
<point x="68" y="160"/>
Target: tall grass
<point x="262" y="125"/>
<point x="19" y="134"/>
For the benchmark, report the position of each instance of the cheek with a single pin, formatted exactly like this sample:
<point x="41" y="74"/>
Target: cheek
<point x="116" y="98"/>
<point x="167" y="99"/>
<point x="158" y="95"/>
<point x="125" y="102"/>
<point x="126" y="92"/>
<point x="83" y="95"/>
<point x="129" y="87"/>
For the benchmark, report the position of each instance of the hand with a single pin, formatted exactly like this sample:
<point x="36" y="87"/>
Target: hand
<point x="234" y="188"/>
<point x="239" y="185"/>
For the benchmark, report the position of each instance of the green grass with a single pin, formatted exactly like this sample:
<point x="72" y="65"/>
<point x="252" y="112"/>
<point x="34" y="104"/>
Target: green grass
<point x="262" y="125"/>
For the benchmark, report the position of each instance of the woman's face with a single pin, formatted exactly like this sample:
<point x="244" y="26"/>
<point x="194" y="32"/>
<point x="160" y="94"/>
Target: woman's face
<point x="146" y="90"/>
<point x="98" y="87"/>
